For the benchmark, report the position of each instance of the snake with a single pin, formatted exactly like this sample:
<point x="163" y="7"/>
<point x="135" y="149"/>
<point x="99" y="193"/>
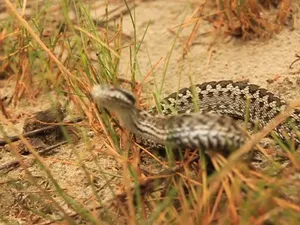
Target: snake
<point x="201" y="116"/>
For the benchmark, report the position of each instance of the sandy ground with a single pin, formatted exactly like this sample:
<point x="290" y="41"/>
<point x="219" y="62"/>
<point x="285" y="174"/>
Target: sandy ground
<point x="257" y="61"/>
<point x="263" y="62"/>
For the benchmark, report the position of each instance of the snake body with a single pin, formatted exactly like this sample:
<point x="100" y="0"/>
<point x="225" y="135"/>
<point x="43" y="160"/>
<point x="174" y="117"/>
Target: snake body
<point x="211" y="127"/>
<point x="234" y="99"/>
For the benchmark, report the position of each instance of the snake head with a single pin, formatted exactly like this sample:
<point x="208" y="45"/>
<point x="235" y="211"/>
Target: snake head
<point x="113" y="98"/>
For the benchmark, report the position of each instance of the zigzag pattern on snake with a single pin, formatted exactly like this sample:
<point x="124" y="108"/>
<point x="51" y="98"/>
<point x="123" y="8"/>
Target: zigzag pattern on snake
<point x="227" y="97"/>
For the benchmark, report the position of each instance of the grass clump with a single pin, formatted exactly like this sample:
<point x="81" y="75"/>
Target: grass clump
<point x="255" y="19"/>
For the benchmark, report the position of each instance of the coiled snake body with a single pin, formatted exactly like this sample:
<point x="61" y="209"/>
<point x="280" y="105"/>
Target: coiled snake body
<point x="211" y="127"/>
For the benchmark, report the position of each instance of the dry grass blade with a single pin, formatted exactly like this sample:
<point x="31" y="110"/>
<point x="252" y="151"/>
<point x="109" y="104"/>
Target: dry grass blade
<point x="36" y="37"/>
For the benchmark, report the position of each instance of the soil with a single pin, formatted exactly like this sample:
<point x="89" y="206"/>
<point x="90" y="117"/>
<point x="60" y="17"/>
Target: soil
<point x="262" y="62"/>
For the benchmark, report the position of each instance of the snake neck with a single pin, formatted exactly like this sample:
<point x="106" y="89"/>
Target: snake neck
<point x="143" y="124"/>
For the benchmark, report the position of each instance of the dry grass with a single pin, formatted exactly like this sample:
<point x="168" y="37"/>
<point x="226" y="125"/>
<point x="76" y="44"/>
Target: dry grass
<point x="255" y="19"/>
<point x="248" y="19"/>
<point x="184" y="191"/>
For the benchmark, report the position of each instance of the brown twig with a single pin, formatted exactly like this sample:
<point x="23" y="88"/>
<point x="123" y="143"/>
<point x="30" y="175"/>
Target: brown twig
<point x="10" y="139"/>
<point x="7" y="167"/>
<point x="296" y="60"/>
<point x="3" y="110"/>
